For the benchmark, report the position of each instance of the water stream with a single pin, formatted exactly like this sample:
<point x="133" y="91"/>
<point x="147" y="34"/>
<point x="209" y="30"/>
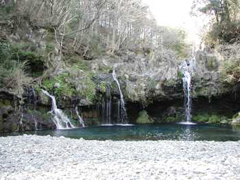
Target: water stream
<point x="187" y="70"/>
<point x="123" y="112"/>
<point x="200" y="132"/>
<point x="79" y="117"/>
<point x="59" y="118"/>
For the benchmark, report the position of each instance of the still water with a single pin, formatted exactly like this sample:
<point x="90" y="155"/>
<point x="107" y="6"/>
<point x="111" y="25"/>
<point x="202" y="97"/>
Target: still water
<point x="148" y="132"/>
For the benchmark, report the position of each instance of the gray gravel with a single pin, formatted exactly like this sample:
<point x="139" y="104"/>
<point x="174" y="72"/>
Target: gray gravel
<point x="44" y="157"/>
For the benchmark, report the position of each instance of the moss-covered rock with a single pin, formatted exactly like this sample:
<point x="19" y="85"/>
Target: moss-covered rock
<point x="144" y="118"/>
<point x="171" y="119"/>
<point x="211" y="118"/>
<point x="14" y="127"/>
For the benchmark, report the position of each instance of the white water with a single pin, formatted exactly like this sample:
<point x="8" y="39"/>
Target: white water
<point x="187" y="94"/>
<point x="79" y="117"/>
<point x="60" y="119"/>
<point x="108" y="105"/>
<point x="187" y="69"/>
<point x="35" y="122"/>
<point x="122" y="102"/>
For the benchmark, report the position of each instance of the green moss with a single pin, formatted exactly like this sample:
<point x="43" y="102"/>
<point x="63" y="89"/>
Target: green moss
<point x="212" y="63"/>
<point x="79" y="63"/>
<point x="90" y="90"/>
<point x="210" y="118"/>
<point x="102" y="86"/>
<point x="63" y="88"/>
<point x="170" y="82"/>
<point x="49" y="83"/>
<point x="151" y="84"/>
<point x="14" y="127"/>
<point x="5" y="103"/>
<point x="230" y="73"/>
<point x="104" y="69"/>
<point x="11" y="55"/>
<point x="50" y="47"/>
<point x="171" y="119"/>
<point x="92" y="121"/>
<point x="143" y="118"/>
<point x="1" y="124"/>
<point x="180" y="74"/>
<point x="201" y="118"/>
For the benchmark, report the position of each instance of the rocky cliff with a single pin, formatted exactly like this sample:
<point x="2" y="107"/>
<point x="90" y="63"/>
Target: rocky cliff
<point x="150" y="80"/>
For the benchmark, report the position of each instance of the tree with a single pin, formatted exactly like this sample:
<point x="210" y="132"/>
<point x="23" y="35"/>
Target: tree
<point x="226" y="22"/>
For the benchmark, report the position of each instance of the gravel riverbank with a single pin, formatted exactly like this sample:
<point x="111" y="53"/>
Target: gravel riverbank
<point x="45" y="157"/>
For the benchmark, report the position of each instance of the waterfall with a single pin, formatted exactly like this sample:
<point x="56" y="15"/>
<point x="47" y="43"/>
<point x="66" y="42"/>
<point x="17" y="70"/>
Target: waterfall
<point x="187" y="70"/>
<point x="79" y="117"/>
<point x="103" y="110"/>
<point x="108" y="105"/>
<point x="187" y="94"/>
<point x="35" y="122"/>
<point x="60" y="119"/>
<point x="122" y="102"/>
<point x="118" y="111"/>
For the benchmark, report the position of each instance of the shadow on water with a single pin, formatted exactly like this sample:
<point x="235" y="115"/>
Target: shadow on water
<point x="148" y="132"/>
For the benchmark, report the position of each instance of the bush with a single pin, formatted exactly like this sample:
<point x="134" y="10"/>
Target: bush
<point x="14" y="79"/>
<point x="210" y="118"/>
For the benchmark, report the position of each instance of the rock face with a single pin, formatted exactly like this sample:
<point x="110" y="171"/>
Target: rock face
<point x="16" y="115"/>
<point x="146" y="79"/>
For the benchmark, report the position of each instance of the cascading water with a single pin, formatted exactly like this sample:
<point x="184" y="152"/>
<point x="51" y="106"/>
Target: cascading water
<point x="60" y="119"/>
<point x="107" y="108"/>
<point x="118" y="111"/>
<point x="35" y="123"/>
<point x="79" y="117"/>
<point x="187" y="70"/>
<point x="187" y="94"/>
<point x="123" y="111"/>
<point x="108" y="105"/>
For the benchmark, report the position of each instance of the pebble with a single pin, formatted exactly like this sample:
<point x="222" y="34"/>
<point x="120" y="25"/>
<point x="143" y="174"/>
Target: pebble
<point x="45" y="157"/>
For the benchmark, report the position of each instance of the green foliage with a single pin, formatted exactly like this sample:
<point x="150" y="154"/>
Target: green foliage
<point x="49" y="84"/>
<point x="6" y="10"/>
<point x="13" y="74"/>
<point x="60" y="84"/>
<point x="210" y="118"/>
<point x="143" y="118"/>
<point x="50" y="47"/>
<point x="102" y="86"/>
<point x="171" y="119"/>
<point x="226" y="22"/>
<point x="212" y="63"/>
<point x="175" y="40"/>
<point x="230" y="71"/>
<point x="12" y="55"/>
<point x="67" y="84"/>
<point x="180" y="74"/>
<point x="90" y="88"/>
<point x="92" y="121"/>
<point x="79" y="63"/>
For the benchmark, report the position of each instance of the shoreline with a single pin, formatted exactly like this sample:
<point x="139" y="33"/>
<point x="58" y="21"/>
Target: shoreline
<point x="46" y="157"/>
